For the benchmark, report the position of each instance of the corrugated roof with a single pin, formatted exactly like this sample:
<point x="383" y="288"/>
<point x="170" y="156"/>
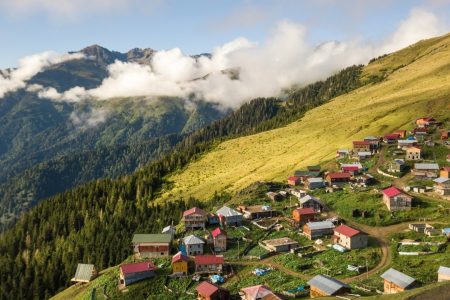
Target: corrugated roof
<point x="358" y="165"/>
<point x="315" y="180"/>
<point x="307" y="198"/>
<point x="83" y="272"/>
<point x="426" y="166"/>
<point x="138" y="267"/>
<point x="305" y="211"/>
<point x="193" y="240"/>
<point x="441" y="180"/>
<point x="339" y="175"/>
<point x="392" y="191"/>
<point x="179" y="256"/>
<point x="209" y="259"/>
<point x="227" y="212"/>
<point x="347" y="230"/>
<point x="194" y="210"/>
<point x="257" y="291"/>
<point x="398" y="278"/>
<point x="152" y="238"/>
<point x="444" y="270"/>
<point x="320" y="225"/>
<point x="206" y="289"/>
<point x="218" y="231"/>
<point x="327" y="284"/>
<point x="364" y="143"/>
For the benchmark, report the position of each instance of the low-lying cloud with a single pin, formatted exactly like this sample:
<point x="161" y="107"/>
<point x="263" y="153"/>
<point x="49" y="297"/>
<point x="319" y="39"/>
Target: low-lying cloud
<point x="30" y="66"/>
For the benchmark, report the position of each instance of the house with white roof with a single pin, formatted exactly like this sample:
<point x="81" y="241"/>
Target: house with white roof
<point x="324" y="286"/>
<point x="396" y="282"/>
<point x="194" y="245"/>
<point x="229" y="216"/>
<point x="425" y="170"/>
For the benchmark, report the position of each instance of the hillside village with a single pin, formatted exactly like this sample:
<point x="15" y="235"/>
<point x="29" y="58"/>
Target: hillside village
<point x="312" y="236"/>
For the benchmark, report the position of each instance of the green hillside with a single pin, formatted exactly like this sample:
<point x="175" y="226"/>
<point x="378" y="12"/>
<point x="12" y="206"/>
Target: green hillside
<point x="413" y="82"/>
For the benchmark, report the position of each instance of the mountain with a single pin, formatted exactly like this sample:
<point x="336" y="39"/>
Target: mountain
<point x="43" y="141"/>
<point x="95" y="221"/>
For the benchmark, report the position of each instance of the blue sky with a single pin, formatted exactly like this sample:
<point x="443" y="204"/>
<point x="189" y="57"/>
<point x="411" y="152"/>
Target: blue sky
<point x="32" y="26"/>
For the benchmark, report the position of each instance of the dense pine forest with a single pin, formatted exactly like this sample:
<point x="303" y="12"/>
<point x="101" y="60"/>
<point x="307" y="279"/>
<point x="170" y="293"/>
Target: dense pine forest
<point x="94" y="223"/>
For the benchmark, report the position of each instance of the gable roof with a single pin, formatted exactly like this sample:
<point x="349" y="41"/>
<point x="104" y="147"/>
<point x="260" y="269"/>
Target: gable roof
<point x="426" y="166"/>
<point x="295" y="178"/>
<point x="218" y="231"/>
<point x="307" y="198"/>
<point x="227" y="212"/>
<point x="315" y="179"/>
<point x="441" y="180"/>
<point x="168" y="229"/>
<point x="327" y="284"/>
<point x="361" y="143"/>
<point x="257" y="291"/>
<point x="392" y="136"/>
<point x="206" y="289"/>
<point x="137" y="267"/>
<point x="209" y="259"/>
<point x="83" y="272"/>
<point x="392" y="191"/>
<point x="400" y="279"/>
<point x="349" y="168"/>
<point x="413" y="149"/>
<point x="339" y="175"/>
<point x="152" y="238"/>
<point x="305" y="211"/>
<point x="194" y="210"/>
<point x="179" y="257"/>
<point x="320" y="225"/>
<point x="347" y="230"/>
<point x="193" y="240"/>
<point x="445" y="169"/>
<point x="315" y="168"/>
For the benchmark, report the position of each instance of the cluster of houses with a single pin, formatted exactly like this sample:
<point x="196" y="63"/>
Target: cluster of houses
<point x="192" y="257"/>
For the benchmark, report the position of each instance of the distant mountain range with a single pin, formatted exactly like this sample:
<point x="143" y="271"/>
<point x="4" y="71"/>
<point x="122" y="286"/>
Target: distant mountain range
<point x="45" y="148"/>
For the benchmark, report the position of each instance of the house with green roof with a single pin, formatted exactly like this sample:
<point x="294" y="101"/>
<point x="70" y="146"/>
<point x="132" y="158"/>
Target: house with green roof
<point x="151" y="245"/>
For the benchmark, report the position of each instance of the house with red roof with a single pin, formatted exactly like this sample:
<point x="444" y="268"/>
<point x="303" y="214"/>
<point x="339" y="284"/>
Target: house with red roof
<point x="391" y="138"/>
<point x="194" y="218"/>
<point x="180" y="263"/>
<point x="361" y="146"/>
<point x="302" y="216"/>
<point x="209" y="263"/>
<point x="134" y="272"/>
<point x="209" y="291"/>
<point x="425" y="121"/>
<point x="294" y="180"/>
<point x="219" y="239"/>
<point x="258" y="292"/>
<point x="396" y="200"/>
<point x="353" y="169"/>
<point x="338" y="178"/>
<point x="349" y="237"/>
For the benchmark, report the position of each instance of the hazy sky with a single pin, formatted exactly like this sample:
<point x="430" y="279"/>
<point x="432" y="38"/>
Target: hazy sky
<point x="195" y="26"/>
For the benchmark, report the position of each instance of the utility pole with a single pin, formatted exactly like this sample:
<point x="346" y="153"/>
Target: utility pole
<point x="238" y="249"/>
<point x="367" y="268"/>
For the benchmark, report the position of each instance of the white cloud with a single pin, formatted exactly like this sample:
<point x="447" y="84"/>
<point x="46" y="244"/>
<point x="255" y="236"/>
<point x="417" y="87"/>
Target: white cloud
<point x="285" y="58"/>
<point x="30" y="66"/>
<point x="88" y="119"/>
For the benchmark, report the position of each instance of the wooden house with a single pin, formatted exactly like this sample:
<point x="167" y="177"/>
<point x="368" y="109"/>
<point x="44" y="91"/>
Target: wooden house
<point x="337" y="178"/>
<point x="425" y="170"/>
<point x="253" y="212"/>
<point x="194" y="218"/>
<point x="349" y="237"/>
<point x="396" y="282"/>
<point x="314" y="230"/>
<point x="444" y="172"/>
<point x="151" y="245"/>
<point x="219" y="240"/>
<point x="209" y="291"/>
<point x="84" y="273"/>
<point x="443" y="274"/>
<point x="180" y="263"/>
<point x="312" y="202"/>
<point x="209" y="263"/>
<point x="425" y="122"/>
<point x="396" y="200"/>
<point x="258" y="292"/>
<point x="361" y="146"/>
<point x="314" y="183"/>
<point x="413" y="153"/>
<point x="442" y="186"/>
<point x="302" y="216"/>
<point x="325" y="286"/>
<point x="284" y="244"/>
<point x="194" y="245"/>
<point x="391" y="138"/>
<point x="134" y="272"/>
<point x="294" y="180"/>
<point x="229" y="217"/>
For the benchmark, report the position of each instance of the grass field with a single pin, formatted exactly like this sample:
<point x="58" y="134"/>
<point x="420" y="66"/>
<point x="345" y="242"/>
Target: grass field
<point x="421" y="87"/>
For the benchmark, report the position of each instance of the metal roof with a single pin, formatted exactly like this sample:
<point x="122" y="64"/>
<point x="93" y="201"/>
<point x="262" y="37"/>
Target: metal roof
<point x="84" y="272"/>
<point x="192" y="240"/>
<point x="320" y="225"/>
<point x="327" y="284"/>
<point x="315" y="180"/>
<point x="308" y="198"/>
<point x="152" y="238"/>
<point x="441" y="180"/>
<point x="425" y="166"/>
<point x="398" y="278"/>
<point x="227" y="212"/>
<point x="444" y="270"/>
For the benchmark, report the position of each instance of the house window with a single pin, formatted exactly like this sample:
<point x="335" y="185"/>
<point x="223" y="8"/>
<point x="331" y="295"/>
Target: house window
<point x="162" y="253"/>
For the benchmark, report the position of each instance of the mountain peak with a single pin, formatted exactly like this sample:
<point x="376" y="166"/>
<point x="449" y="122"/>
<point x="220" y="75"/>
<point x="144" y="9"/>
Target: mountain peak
<point x="102" y="55"/>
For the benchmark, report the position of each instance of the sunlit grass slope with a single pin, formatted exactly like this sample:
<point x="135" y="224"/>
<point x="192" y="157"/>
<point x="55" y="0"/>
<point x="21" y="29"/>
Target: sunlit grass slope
<point x="416" y="83"/>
